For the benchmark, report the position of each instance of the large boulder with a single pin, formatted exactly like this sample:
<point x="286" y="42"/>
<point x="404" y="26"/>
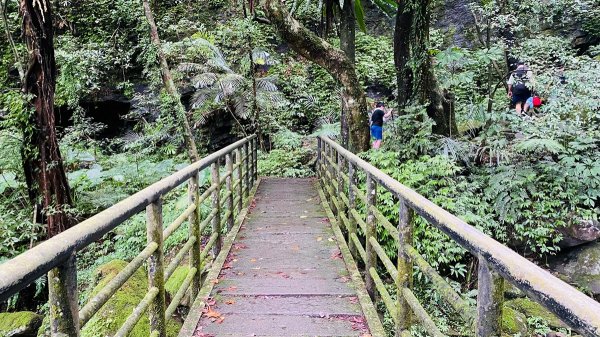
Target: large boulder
<point x="114" y="313"/>
<point x="580" y="266"/>
<point x="579" y="233"/>
<point x="19" y="324"/>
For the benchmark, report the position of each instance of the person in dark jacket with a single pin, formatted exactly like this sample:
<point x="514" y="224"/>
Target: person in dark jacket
<point x="377" y="117"/>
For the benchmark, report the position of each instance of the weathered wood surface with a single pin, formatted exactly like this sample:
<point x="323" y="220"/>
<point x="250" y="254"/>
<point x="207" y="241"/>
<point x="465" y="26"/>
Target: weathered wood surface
<point x="284" y="275"/>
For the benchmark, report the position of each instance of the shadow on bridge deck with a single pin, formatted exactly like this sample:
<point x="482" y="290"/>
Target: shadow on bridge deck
<point x="284" y="275"/>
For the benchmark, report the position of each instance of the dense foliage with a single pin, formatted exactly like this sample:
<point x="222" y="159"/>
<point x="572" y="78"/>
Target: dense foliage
<point x="522" y="180"/>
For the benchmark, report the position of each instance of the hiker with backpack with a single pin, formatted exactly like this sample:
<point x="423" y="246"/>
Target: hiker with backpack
<point x="520" y="87"/>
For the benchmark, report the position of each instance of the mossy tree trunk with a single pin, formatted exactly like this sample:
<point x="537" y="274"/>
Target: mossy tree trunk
<point x="180" y="113"/>
<point x="334" y="61"/>
<point x="45" y="175"/>
<point x="417" y="83"/>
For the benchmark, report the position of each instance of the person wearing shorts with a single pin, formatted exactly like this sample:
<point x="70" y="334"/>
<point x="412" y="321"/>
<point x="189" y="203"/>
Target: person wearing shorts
<point x="377" y="118"/>
<point x="520" y="87"/>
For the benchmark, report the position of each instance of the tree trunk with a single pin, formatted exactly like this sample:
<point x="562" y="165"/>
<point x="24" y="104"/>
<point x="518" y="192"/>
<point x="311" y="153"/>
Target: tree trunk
<point x="180" y="112"/>
<point x="44" y="172"/>
<point x="416" y="79"/>
<point x="348" y="45"/>
<point x="402" y="56"/>
<point x="334" y="61"/>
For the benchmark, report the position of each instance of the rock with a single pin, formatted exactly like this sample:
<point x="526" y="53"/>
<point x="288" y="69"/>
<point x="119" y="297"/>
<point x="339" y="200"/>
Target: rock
<point x="580" y="266"/>
<point x="511" y="292"/>
<point x="19" y="324"/>
<point x="174" y="283"/>
<point x="513" y="322"/>
<point x="579" y="233"/>
<point x="533" y="309"/>
<point x="114" y="313"/>
<point x="582" y="41"/>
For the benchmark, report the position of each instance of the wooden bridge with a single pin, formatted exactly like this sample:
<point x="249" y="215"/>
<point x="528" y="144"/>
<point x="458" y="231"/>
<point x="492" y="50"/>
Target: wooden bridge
<point x="287" y="257"/>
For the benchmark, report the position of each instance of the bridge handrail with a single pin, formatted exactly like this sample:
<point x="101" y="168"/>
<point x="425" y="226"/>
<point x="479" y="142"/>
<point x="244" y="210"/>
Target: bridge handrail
<point x="576" y="309"/>
<point x="59" y="251"/>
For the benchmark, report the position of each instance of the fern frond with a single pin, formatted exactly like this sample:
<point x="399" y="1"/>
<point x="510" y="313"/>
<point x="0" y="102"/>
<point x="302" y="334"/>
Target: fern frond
<point x="540" y="145"/>
<point x="266" y="84"/>
<point x="204" y="80"/>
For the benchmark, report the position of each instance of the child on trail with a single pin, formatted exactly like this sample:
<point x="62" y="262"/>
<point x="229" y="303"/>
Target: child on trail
<point x="377" y="118"/>
<point x="520" y="87"/>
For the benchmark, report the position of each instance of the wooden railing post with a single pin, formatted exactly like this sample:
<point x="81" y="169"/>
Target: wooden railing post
<point x="194" y="231"/>
<point x="352" y="201"/>
<point x="319" y="159"/>
<point x="331" y="182"/>
<point x="240" y="182"/>
<point x="63" y="299"/>
<point x="247" y="170"/>
<point x="371" y="256"/>
<point x="490" y="298"/>
<point x="255" y="161"/>
<point x="229" y="184"/>
<point x="340" y="190"/>
<point x="405" y="269"/>
<point x="156" y="272"/>
<point x="216" y="205"/>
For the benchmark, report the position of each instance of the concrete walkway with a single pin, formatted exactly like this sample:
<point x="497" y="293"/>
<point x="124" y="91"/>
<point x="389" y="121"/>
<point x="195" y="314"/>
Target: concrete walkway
<point x="285" y="275"/>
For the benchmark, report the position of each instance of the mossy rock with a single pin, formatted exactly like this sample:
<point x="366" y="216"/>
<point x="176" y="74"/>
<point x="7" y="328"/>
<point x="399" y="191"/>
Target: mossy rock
<point x="21" y="324"/>
<point x="176" y="280"/>
<point x="533" y="309"/>
<point x="513" y="322"/>
<point x="113" y="314"/>
<point x="510" y="291"/>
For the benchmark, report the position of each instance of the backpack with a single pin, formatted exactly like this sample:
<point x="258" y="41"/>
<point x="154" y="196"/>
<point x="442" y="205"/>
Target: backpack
<point x="521" y="84"/>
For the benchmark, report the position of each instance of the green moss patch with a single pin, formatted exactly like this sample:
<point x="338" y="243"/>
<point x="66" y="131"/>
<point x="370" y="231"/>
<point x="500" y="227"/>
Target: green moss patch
<point x="23" y="323"/>
<point x="533" y="309"/>
<point x="113" y="314"/>
<point x="513" y="322"/>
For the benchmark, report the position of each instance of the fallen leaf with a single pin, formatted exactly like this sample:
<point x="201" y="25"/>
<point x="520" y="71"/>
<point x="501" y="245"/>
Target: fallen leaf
<point x="230" y="301"/>
<point x="220" y="320"/>
<point x="330" y="240"/>
<point x="295" y="248"/>
<point x="212" y="313"/>
<point x="319" y="238"/>
<point x="214" y="281"/>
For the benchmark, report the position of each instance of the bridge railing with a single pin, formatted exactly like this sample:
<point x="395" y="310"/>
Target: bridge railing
<point x="340" y="171"/>
<point x="57" y="256"/>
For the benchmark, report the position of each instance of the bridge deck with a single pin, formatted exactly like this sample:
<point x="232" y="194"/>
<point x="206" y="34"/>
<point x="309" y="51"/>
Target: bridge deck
<point x="285" y="275"/>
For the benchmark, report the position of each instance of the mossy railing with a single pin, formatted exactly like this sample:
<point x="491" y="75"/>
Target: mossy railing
<point x="339" y="172"/>
<point x="57" y="256"/>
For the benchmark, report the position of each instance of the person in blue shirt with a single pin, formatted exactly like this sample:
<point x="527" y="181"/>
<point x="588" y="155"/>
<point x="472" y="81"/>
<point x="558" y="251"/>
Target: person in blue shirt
<point x="377" y="117"/>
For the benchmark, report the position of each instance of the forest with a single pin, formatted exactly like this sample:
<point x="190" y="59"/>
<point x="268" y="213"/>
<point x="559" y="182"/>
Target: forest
<point x="99" y="99"/>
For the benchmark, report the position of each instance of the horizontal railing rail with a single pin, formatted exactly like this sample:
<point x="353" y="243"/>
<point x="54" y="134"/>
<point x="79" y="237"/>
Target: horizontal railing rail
<point x="338" y="169"/>
<point x="226" y="193"/>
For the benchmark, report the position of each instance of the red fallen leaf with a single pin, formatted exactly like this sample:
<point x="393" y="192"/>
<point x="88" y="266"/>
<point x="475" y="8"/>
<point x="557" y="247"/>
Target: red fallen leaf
<point x="202" y="334"/>
<point x="220" y="319"/>
<point x="353" y="299"/>
<point x="210" y="302"/>
<point x="229" y="301"/>
<point x="212" y="314"/>
<point x="282" y="274"/>
<point x="227" y="266"/>
<point x="336" y="255"/>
